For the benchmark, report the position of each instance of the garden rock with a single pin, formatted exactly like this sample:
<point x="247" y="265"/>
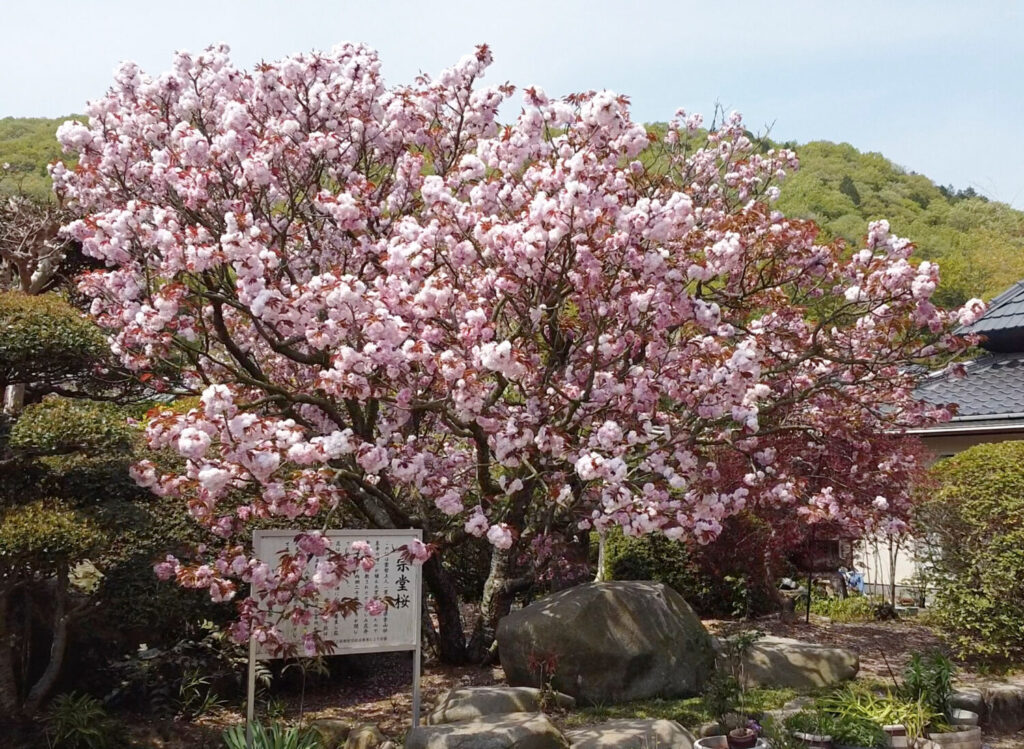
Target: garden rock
<point x="468" y="703"/>
<point x="610" y="641"/>
<point x="632" y="734"/>
<point x="515" y="731"/>
<point x="783" y="662"/>
<point x="1000" y="707"/>
<point x="333" y="732"/>
<point x="365" y="737"/>
<point x="1005" y="707"/>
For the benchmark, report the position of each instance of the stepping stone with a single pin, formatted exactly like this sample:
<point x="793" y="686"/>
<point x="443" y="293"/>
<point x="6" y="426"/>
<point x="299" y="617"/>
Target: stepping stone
<point x="469" y="703"/>
<point x="632" y="734"/>
<point x="514" y="731"/>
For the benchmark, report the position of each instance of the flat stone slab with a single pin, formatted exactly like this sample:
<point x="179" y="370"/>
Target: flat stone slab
<point x="632" y="734"/>
<point x="1000" y="707"/>
<point x="515" y="731"/>
<point x="784" y="662"/>
<point x="469" y="703"/>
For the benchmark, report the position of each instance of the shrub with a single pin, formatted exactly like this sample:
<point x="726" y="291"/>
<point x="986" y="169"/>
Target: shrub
<point x="714" y="579"/>
<point x="857" y="703"/>
<point x="78" y="721"/>
<point x="930" y="680"/>
<point x="45" y="339"/>
<point x="853" y="608"/>
<point x="62" y="425"/>
<point x="277" y="736"/>
<point x="973" y="518"/>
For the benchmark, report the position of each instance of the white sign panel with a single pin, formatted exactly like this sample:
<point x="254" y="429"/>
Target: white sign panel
<point x="397" y="628"/>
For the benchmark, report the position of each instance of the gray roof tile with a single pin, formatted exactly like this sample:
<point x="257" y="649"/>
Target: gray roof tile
<point x="1005" y="312"/>
<point x="993" y="385"/>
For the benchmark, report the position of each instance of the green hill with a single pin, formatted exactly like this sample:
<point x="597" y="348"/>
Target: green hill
<point x="979" y="243"/>
<point x="28" y="145"/>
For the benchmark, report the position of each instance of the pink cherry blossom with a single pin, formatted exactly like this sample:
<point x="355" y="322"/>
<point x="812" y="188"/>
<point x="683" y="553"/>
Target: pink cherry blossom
<point x="388" y="301"/>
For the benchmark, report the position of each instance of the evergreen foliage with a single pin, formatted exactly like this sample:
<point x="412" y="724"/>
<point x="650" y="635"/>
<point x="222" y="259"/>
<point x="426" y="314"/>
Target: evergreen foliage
<point x="975" y="517"/>
<point x="978" y="243"/>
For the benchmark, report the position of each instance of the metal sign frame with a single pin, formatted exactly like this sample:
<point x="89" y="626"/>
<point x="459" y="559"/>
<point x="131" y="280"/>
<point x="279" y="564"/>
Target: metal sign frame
<point x="416" y="604"/>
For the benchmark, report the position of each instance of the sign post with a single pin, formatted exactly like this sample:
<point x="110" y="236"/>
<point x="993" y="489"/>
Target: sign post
<point x="397" y="629"/>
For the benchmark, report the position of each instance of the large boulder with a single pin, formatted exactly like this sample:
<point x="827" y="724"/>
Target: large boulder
<point x="1000" y="706"/>
<point x="514" y="731"/>
<point x="632" y="734"/>
<point x="468" y="703"/>
<point x="783" y="662"/>
<point x="609" y="642"/>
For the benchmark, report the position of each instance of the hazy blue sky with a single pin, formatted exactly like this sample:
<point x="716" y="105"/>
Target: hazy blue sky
<point x="937" y="87"/>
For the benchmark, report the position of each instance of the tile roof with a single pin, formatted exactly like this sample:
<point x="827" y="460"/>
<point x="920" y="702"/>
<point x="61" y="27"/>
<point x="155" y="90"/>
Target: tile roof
<point x="1004" y="313"/>
<point x="993" y="386"/>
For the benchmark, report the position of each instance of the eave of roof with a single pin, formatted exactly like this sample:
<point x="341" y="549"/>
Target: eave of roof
<point x="1005" y="313"/>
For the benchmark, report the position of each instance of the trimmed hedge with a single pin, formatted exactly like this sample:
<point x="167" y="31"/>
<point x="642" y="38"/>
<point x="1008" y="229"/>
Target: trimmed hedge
<point x="974" y="516"/>
<point x="44" y="339"/>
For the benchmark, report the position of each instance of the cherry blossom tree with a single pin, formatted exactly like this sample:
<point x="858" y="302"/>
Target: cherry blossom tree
<point x="397" y="310"/>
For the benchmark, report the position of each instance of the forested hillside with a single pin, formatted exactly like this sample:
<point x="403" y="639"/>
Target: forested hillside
<point x="979" y="243"/>
<point x="27" y="145"/>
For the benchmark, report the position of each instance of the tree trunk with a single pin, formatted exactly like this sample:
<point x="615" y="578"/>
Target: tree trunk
<point x="451" y="637"/>
<point x="495" y="603"/>
<point x="58" y="646"/>
<point x="14" y="398"/>
<point x="9" y="700"/>
<point x="602" y="573"/>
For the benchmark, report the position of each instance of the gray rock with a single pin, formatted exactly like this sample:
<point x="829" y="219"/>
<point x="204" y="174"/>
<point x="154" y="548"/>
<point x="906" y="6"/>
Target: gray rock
<point x="970" y="698"/>
<point x="1000" y="707"/>
<point x="365" y="737"/>
<point x="333" y="731"/>
<point x="612" y="642"/>
<point x="712" y="728"/>
<point x="783" y="662"/>
<point x="515" y="731"/>
<point x="1005" y="708"/>
<point x="468" y="703"/>
<point x="632" y="734"/>
<point x="799" y="703"/>
<point x="388" y="745"/>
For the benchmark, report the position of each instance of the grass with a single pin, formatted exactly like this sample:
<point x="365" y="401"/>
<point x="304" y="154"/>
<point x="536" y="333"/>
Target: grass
<point x="689" y="712"/>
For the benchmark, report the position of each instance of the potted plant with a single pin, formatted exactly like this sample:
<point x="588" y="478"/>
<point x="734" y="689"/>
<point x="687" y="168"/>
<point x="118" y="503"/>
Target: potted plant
<point x="902" y="719"/>
<point x="858" y="733"/>
<point x="813" y="729"/>
<point x="929" y="679"/>
<point x="725" y="696"/>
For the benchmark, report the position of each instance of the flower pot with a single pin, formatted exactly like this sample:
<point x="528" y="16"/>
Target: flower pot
<point x="964" y="718"/>
<point x="813" y="740"/>
<point x="711" y="742"/>
<point x="722" y="742"/>
<point x="741" y="738"/>
<point x="897" y="736"/>
<point x="961" y="737"/>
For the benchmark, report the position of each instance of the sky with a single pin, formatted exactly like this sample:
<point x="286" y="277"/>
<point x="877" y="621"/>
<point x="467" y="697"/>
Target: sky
<point x="936" y="86"/>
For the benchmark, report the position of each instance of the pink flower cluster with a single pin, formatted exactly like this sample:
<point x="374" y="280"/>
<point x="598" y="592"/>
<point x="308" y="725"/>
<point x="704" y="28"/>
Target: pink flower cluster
<point x="389" y="301"/>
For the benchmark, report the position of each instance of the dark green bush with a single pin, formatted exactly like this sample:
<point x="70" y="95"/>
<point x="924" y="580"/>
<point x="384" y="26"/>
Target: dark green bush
<point x="722" y="579"/>
<point x="973" y="518"/>
<point x="78" y="721"/>
<point x="45" y="339"/>
<point x="61" y="425"/>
